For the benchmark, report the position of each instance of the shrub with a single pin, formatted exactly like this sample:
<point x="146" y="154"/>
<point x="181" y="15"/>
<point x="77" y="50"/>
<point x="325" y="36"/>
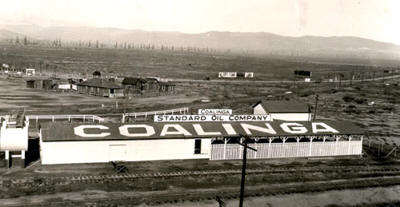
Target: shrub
<point x="348" y="98"/>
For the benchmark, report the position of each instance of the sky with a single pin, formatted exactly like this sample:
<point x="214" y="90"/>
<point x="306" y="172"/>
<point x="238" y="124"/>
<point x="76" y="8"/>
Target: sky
<point x="373" y="19"/>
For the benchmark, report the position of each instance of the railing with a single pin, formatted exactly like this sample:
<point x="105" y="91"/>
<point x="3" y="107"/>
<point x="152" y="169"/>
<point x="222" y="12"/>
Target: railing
<point x="83" y="117"/>
<point x="183" y="110"/>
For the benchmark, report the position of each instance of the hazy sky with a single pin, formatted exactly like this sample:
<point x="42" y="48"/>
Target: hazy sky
<point x="375" y="19"/>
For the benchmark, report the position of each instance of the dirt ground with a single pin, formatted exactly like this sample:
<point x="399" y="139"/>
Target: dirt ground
<point x="15" y="95"/>
<point x="359" y="197"/>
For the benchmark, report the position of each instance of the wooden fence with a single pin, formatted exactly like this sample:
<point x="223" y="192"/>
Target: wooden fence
<point x="83" y="117"/>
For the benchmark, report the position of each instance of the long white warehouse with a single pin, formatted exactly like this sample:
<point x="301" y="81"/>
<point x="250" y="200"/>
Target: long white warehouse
<point x="63" y="143"/>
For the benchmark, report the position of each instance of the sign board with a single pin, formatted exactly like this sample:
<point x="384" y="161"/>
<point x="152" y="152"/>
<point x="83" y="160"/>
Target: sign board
<point x="64" y="86"/>
<point x="210" y="118"/>
<point x="227" y="74"/>
<point x="215" y="111"/>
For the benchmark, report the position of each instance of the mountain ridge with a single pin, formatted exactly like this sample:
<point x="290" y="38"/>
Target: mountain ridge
<point x="263" y="42"/>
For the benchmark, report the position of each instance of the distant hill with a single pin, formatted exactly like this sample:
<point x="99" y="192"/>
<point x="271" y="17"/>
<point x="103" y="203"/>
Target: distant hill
<point x="7" y="34"/>
<point x="233" y="41"/>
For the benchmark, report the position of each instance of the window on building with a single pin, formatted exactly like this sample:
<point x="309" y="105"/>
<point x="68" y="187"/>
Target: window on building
<point x="197" y="146"/>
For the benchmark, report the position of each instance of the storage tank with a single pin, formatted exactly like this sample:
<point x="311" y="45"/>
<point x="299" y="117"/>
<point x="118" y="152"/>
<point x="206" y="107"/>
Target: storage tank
<point x="14" y="133"/>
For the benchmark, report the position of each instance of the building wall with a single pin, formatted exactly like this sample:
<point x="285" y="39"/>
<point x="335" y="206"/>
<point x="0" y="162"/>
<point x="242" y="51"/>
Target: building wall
<point x="132" y="150"/>
<point x="259" y="109"/>
<point x="286" y="150"/>
<point x="291" y="116"/>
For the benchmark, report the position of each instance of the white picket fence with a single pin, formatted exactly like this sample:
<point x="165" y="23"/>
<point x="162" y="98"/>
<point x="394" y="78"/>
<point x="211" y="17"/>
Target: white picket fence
<point x="83" y="117"/>
<point x="183" y="110"/>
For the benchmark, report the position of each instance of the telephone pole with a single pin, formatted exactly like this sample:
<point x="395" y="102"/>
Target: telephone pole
<point x="245" y="147"/>
<point x="316" y="105"/>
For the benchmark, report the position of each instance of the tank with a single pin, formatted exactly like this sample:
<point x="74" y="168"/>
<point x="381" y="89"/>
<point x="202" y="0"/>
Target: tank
<point x="14" y="133"/>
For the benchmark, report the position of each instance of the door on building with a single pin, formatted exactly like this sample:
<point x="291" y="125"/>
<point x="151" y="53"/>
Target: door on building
<point x="117" y="152"/>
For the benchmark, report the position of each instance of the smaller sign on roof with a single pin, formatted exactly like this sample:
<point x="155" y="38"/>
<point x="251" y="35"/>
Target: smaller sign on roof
<point x="215" y="111"/>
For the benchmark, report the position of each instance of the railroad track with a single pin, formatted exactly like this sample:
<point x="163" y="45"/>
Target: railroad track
<point x="82" y="179"/>
<point x="173" y="197"/>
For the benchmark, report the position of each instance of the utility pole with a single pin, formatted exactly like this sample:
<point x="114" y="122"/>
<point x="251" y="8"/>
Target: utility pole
<point x="316" y="105"/>
<point x="245" y="147"/>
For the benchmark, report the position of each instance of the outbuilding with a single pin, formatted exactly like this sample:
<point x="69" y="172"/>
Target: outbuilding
<point x="46" y="84"/>
<point x="100" y="87"/>
<point x="284" y="110"/>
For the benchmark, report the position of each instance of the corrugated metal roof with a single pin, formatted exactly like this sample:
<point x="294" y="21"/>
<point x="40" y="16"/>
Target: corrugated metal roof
<point x="284" y="106"/>
<point x="59" y="131"/>
<point x="100" y="83"/>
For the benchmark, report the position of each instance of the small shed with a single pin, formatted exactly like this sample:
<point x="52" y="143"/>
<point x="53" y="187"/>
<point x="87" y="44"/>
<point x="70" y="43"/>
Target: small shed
<point x="30" y="72"/>
<point x="46" y="84"/>
<point x="284" y="110"/>
<point x="30" y="83"/>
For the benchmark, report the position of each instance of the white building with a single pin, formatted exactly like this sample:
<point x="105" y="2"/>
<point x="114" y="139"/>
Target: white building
<point x="63" y="143"/>
<point x="30" y="72"/>
<point x="284" y="110"/>
<point x="64" y="86"/>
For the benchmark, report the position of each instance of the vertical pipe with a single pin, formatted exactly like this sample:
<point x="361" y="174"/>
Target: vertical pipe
<point x="255" y="153"/>
<point x="348" y="145"/>
<point x="269" y="147"/>
<point x="225" y="141"/>
<point x="336" y="146"/>
<point x="7" y="155"/>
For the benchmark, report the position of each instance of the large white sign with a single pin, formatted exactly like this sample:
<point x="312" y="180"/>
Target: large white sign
<point x="215" y="111"/>
<point x="210" y="118"/>
<point x="200" y="129"/>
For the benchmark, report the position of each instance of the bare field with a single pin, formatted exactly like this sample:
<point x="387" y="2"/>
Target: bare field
<point x="15" y="95"/>
<point x="171" y="64"/>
